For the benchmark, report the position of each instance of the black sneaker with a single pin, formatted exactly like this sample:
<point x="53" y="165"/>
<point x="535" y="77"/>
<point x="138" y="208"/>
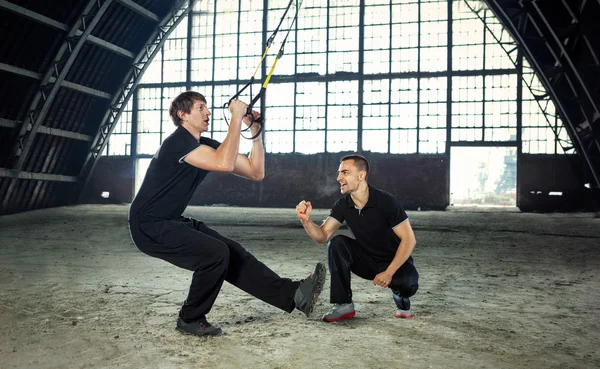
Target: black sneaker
<point x="199" y="328"/>
<point x="402" y="306"/>
<point x="308" y="292"/>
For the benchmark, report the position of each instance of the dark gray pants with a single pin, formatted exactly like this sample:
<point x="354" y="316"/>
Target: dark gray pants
<point x="345" y="255"/>
<point x="213" y="258"/>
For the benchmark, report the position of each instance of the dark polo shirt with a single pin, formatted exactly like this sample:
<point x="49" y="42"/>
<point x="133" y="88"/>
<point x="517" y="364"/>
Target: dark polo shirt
<point x="170" y="182"/>
<point x="372" y="226"/>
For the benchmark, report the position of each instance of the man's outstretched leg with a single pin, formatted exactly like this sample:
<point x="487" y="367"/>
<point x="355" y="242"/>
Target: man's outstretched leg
<point x="249" y="274"/>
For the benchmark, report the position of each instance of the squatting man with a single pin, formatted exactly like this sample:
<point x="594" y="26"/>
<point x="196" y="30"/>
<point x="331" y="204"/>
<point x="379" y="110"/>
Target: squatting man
<point x="382" y="242"/>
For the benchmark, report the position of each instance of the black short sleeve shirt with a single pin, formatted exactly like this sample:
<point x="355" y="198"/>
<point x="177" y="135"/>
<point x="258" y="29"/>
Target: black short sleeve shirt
<point x="372" y="226"/>
<point x="170" y="182"/>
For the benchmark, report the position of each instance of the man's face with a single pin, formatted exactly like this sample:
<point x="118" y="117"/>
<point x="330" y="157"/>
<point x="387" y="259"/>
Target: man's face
<point x="349" y="176"/>
<point x="198" y="118"/>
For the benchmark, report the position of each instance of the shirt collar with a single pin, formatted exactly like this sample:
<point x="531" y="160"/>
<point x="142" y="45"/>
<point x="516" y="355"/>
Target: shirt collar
<point x="371" y="202"/>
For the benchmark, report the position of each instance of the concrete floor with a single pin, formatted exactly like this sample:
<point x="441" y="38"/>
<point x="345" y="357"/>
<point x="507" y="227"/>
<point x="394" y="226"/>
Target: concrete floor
<point x="499" y="289"/>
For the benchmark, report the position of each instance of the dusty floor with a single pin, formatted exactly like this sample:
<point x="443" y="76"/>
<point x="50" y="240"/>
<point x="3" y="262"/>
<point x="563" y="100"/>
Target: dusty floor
<point x="498" y="290"/>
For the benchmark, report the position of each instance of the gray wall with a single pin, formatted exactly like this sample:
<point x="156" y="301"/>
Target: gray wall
<point x="419" y="181"/>
<point x="538" y="175"/>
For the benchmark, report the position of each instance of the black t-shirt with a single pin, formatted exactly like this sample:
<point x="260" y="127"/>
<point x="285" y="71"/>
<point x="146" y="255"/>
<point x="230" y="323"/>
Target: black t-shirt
<point x="372" y="225"/>
<point x="170" y="182"/>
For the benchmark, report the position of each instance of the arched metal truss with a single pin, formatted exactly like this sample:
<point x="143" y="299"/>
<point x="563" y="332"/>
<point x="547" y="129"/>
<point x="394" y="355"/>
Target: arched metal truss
<point x="526" y="72"/>
<point x="549" y="34"/>
<point x="52" y="80"/>
<point x="45" y="183"/>
<point x="119" y="100"/>
<point x="55" y="76"/>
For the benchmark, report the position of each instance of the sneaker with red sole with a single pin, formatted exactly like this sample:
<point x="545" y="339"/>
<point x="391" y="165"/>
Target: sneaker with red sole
<point x="339" y="312"/>
<point x="402" y="306"/>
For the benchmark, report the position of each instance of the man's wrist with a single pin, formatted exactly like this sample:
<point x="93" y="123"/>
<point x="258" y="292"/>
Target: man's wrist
<point x="305" y="222"/>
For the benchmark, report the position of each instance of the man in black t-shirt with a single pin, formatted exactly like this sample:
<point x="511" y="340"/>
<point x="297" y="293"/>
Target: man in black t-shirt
<point x="158" y="228"/>
<point x="381" y="247"/>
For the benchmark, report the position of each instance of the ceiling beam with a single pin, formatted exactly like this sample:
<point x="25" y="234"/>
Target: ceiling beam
<point x="32" y="15"/>
<point x="108" y="46"/>
<point x="17" y="174"/>
<point x="67" y="84"/>
<point x="172" y="19"/>
<point x="20" y="71"/>
<point x="58" y="69"/>
<point x="63" y="27"/>
<point x="139" y="9"/>
<point x="84" y="89"/>
<point x="48" y="131"/>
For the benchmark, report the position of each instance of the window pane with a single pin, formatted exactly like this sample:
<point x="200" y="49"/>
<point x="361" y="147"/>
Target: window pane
<point x="310" y="142"/>
<point x="375" y="140"/>
<point x="345" y="140"/>
<point x="403" y="141"/>
<point x="279" y="142"/>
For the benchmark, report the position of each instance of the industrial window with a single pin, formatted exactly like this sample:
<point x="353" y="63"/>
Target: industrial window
<point x="168" y="94"/>
<point x="500" y="108"/>
<point x="467" y="108"/>
<point x="149" y="120"/>
<point x="175" y="54"/>
<point x="310" y="119"/>
<point x="342" y="116"/>
<point x="312" y="44"/>
<point x="280" y="117"/>
<point x="321" y="99"/>
<point x="433" y="35"/>
<point x="343" y="37"/>
<point x="202" y="41"/>
<point x="539" y="129"/>
<point x="404" y="116"/>
<point x="468" y="40"/>
<point x="405" y="36"/>
<point x="432" y="115"/>
<point x="119" y="142"/>
<point x="376" y="115"/>
<point x="377" y="38"/>
<point x="495" y="55"/>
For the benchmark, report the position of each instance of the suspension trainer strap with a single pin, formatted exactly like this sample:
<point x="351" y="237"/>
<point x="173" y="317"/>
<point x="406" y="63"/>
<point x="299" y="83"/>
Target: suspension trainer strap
<point x="260" y="94"/>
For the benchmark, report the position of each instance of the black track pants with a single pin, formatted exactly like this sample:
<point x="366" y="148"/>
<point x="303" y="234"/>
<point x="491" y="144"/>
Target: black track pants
<point x="345" y="255"/>
<point x="192" y="245"/>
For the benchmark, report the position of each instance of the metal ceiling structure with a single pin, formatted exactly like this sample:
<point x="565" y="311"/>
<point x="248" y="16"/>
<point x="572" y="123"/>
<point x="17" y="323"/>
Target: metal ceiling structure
<point x="68" y="67"/>
<point x="560" y="40"/>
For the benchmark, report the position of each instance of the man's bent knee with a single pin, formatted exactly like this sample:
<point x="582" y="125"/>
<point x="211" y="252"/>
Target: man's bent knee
<point x="405" y="290"/>
<point x="219" y="258"/>
<point x="337" y="242"/>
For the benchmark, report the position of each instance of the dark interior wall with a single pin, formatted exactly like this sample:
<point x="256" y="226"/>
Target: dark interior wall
<point x="417" y="181"/>
<point x="113" y="174"/>
<point x="538" y="175"/>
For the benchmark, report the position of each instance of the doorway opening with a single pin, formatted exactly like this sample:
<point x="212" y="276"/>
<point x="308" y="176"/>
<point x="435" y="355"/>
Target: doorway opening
<point x="483" y="176"/>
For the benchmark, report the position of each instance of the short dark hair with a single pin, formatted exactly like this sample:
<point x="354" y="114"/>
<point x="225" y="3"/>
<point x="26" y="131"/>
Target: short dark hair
<point x="184" y="102"/>
<point x="359" y="161"/>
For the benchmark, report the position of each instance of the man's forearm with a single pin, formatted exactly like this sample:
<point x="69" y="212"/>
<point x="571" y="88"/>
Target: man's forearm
<point x="314" y="231"/>
<point x="404" y="250"/>
<point x="257" y="157"/>
<point x="230" y="147"/>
